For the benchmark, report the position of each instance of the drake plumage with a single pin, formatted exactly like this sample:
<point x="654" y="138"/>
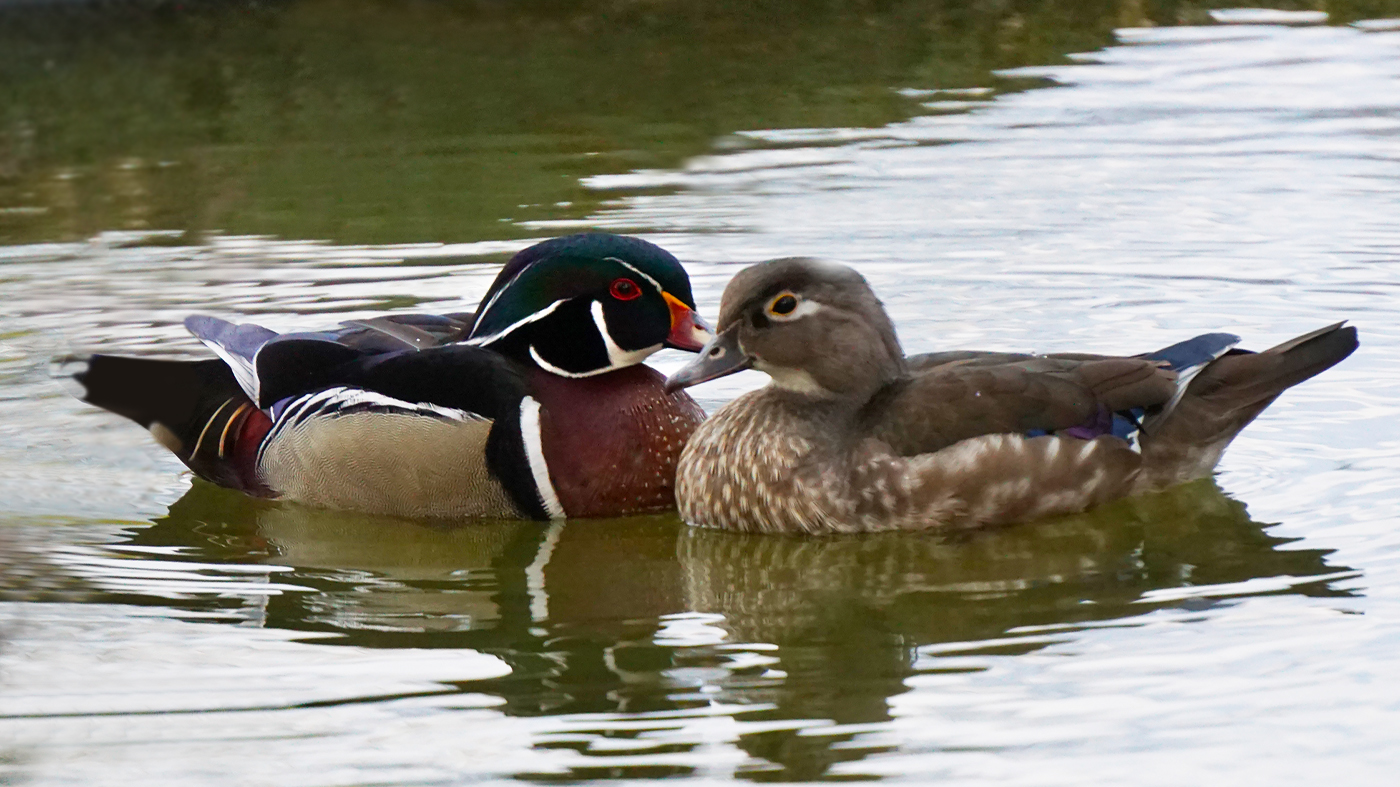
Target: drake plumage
<point x="852" y="436"/>
<point x="536" y="405"/>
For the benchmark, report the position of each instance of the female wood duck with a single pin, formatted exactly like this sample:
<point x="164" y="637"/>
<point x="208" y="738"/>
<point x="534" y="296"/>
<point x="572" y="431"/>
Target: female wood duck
<point x="851" y="436"/>
<point x="537" y="405"/>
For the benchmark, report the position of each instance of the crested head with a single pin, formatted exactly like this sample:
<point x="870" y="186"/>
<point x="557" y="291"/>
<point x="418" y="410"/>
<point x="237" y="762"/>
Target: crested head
<point x="587" y="304"/>
<point x="815" y="327"/>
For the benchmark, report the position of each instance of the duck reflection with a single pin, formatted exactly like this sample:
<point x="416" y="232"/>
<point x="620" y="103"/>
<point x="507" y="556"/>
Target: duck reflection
<point x="848" y="616"/>
<point x="812" y="628"/>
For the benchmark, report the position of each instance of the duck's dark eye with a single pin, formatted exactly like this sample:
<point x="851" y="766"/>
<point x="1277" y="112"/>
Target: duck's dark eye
<point x="784" y="304"/>
<point x="625" y="290"/>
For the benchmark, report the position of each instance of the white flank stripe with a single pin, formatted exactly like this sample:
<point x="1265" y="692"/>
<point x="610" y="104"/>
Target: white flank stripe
<point x="309" y="402"/>
<point x="534" y="452"/>
<point x="348" y="397"/>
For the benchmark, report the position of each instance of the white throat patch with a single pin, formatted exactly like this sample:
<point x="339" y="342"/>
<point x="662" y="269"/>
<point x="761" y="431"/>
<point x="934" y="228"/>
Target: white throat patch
<point x="617" y="357"/>
<point x="797" y="380"/>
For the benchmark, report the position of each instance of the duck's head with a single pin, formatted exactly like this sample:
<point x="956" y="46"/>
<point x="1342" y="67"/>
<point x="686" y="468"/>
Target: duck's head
<point x="587" y="304"/>
<point x="815" y="327"/>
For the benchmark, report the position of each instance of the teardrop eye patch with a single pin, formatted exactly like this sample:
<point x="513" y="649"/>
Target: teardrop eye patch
<point x="625" y="290"/>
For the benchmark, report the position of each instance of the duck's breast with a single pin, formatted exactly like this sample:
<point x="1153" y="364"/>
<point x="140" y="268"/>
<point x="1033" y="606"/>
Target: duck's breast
<point x="611" y="442"/>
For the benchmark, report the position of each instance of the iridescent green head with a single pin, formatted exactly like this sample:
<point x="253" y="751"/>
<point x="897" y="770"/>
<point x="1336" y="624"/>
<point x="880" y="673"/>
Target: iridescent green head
<point x="587" y="304"/>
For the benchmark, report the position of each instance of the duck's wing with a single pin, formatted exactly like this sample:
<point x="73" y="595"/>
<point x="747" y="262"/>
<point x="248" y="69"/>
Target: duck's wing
<point x="270" y="366"/>
<point x="1030" y="395"/>
<point x="1185" y="439"/>
<point x="406" y="331"/>
<point x="237" y="345"/>
<point x="918" y="364"/>
<point x="956" y="395"/>
<point x="471" y="380"/>
<point x="447" y="422"/>
<point x="1181" y="357"/>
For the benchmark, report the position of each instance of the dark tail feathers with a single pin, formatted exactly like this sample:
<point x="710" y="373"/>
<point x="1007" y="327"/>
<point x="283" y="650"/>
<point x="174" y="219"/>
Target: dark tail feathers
<point x="194" y="408"/>
<point x="1187" y="441"/>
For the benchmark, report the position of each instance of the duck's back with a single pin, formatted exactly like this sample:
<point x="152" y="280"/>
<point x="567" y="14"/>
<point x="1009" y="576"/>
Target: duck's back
<point x="987" y="393"/>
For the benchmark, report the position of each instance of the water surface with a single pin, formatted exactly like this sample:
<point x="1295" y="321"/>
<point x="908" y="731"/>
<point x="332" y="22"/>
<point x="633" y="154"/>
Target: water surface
<point x="1241" y="177"/>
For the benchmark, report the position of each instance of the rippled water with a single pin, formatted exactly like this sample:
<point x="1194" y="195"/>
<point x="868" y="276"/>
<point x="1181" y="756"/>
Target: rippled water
<point x="1235" y="177"/>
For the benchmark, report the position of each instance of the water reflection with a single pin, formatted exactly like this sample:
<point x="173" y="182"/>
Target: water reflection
<point x="365" y="122"/>
<point x="646" y="616"/>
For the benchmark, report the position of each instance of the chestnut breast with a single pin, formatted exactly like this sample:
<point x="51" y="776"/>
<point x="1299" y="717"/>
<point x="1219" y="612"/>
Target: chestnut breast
<point x="612" y="441"/>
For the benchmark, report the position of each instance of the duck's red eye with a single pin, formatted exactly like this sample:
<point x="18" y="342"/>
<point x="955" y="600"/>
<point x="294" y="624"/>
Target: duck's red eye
<point x="625" y="290"/>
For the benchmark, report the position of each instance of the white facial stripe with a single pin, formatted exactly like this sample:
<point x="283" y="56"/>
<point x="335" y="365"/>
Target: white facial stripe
<point x="654" y="282"/>
<point x="529" y="318"/>
<point x="534" y="454"/>
<point x="486" y="307"/>
<point x="617" y="357"/>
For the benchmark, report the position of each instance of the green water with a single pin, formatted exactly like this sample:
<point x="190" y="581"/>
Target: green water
<point x="365" y="122"/>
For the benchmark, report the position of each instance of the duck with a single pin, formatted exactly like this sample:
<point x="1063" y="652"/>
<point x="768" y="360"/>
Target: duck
<point x="852" y="436"/>
<point x="536" y="406"/>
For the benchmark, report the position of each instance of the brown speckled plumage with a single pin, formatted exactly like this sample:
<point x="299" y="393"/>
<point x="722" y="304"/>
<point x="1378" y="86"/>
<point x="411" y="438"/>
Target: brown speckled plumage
<point x="765" y="463"/>
<point x="854" y="437"/>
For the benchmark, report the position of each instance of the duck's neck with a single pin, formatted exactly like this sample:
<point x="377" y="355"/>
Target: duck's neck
<point x="842" y="411"/>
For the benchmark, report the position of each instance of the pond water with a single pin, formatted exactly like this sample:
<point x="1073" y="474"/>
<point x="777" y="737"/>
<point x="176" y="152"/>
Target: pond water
<point x="1239" y="173"/>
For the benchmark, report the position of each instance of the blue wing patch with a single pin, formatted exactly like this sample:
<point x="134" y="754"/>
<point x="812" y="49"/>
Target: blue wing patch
<point x="1193" y="354"/>
<point x="1186" y="358"/>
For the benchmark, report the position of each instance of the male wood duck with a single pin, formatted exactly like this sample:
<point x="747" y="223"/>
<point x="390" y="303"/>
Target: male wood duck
<point x="852" y="436"/>
<point x="535" y="406"/>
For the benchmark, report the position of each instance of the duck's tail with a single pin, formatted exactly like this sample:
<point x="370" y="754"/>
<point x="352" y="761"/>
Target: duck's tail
<point x="1185" y="440"/>
<point x="194" y="408"/>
